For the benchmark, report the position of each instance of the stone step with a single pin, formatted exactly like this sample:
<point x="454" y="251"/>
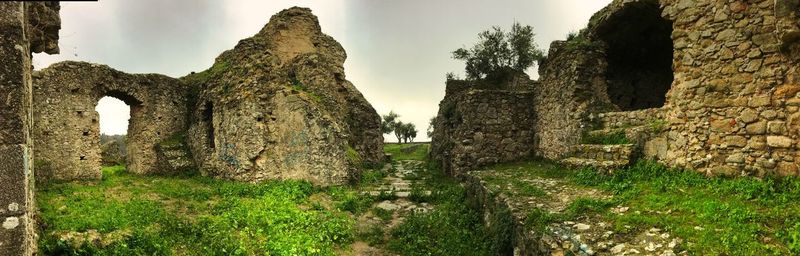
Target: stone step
<point x="604" y="152"/>
<point x="628" y="118"/>
<point x="174" y="157"/>
<point x="600" y="165"/>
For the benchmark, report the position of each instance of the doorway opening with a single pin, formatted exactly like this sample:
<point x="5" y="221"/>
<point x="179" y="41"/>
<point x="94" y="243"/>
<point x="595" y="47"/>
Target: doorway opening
<point x="639" y="54"/>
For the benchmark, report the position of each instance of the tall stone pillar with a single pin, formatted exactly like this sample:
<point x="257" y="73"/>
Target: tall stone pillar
<point x="24" y="28"/>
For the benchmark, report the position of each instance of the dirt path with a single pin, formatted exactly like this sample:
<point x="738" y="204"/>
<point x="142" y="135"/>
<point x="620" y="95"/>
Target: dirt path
<point x="398" y="193"/>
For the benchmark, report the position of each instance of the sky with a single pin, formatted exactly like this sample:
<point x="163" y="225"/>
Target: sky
<point x="398" y="51"/>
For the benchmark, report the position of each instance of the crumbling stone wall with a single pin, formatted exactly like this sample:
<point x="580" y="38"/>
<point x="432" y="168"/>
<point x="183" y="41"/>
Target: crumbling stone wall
<point x="24" y="28"/>
<point x="734" y="103"/>
<point x="730" y="108"/>
<point x="67" y="129"/>
<point x="278" y="106"/>
<point x="481" y="124"/>
<point x="571" y="87"/>
<point x="727" y="89"/>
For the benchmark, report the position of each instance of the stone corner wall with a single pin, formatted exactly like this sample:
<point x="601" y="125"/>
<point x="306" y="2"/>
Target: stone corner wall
<point x="478" y="127"/>
<point x="24" y="28"/>
<point x="571" y="88"/>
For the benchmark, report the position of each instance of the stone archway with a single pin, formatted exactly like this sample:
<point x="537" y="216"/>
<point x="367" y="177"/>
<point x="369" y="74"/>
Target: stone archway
<point x="66" y="129"/>
<point x="639" y="54"/>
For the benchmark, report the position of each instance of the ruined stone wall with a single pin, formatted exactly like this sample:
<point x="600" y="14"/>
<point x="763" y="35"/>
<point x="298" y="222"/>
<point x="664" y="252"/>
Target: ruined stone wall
<point x="278" y="106"/>
<point x="571" y="88"/>
<point x="476" y="127"/>
<point x="733" y="108"/>
<point x="67" y="129"/>
<point x="24" y="28"/>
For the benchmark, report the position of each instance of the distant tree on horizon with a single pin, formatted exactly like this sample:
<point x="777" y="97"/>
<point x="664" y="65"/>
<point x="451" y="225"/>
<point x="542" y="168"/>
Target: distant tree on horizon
<point x="497" y="50"/>
<point x="409" y="132"/>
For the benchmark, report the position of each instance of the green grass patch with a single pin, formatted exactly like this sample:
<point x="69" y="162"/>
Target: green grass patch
<point x="192" y="216"/>
<point x="717" y="216"/>
<point x="452" y="228"/>
<point x="408" y="151"/>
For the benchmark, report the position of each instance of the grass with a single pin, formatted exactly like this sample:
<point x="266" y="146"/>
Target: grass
<point x="742" y="216"/>
<point x="407" y="151"/>
<point x="193" y="216"/>
<point x="716" y="216"/>
<point x="451" y="228"/>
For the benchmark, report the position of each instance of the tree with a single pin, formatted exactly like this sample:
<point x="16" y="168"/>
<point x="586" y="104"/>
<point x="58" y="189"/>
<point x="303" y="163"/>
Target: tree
<point x="430" y="127"/>
<point x="497" y="50"/>
<point x="409" y="132"/>
<point x="398" y="129"/>
<point x="389" y="122"/>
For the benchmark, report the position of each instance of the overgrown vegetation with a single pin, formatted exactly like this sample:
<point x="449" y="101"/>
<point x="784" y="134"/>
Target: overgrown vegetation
<point x="193" y="216"/>
<point x="451" y="228"/>
<point x="719" y="216"/>
<point x="716" y="216"/>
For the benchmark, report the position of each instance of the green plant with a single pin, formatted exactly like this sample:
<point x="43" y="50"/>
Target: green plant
<point x="657" y="125"/>
<point x="793" y="238"/>
<point x="383" y="214"/>
<point x="538" y="219"/>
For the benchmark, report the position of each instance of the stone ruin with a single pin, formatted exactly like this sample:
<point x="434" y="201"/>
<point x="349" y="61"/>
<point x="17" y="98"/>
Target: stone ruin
<point x="67" y="127"/>
<point x="477" y="125"/>
<point x="277" y="106"/>
<point x="710" y="86"/>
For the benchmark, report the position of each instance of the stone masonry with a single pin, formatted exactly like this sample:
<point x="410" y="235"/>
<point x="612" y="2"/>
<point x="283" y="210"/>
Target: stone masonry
<point x="477" y="124"/>
<point x="710" y="86"/>
<point x="67" y="128"/>
<point x="24" y="28"/>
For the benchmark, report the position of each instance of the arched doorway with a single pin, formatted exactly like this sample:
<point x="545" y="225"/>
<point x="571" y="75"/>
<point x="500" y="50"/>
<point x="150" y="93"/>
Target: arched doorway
<point x="639" y="53"/>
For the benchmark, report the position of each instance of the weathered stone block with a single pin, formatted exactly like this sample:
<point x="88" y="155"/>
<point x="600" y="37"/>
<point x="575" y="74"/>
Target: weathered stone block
<point x="776" y="127"/>
<point x="779" y="141"/>
<point x="737" y="158"/>
<point x="14" y="236"/>
<point x="736" y="141"/>
<point x="756" y="128"/>
<point x="787" y="169"/>
<point x="14" y="173"/>
<point x="748" y="116"/>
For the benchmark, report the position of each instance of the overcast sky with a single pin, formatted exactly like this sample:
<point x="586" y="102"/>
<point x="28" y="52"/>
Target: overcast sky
<point x="398" y="51"/>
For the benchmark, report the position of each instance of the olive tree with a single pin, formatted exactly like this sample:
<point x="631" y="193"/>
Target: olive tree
<point x="497" y="50"/>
